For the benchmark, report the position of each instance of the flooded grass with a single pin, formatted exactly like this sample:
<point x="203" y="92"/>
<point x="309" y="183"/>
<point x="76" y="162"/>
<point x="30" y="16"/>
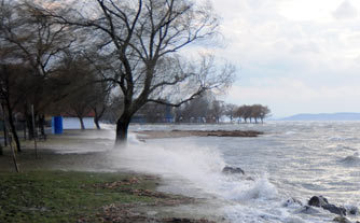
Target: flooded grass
<point x="59" y="196"/>
<point x="76" y="178"/>
<point x="62" y="186"/>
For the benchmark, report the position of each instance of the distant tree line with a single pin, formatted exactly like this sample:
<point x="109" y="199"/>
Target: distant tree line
<point x="205" y="109"/>
<point x="252" y="113"/>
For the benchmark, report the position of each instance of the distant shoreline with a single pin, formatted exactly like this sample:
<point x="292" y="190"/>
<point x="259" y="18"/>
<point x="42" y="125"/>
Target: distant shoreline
<point x="341" y="116"/>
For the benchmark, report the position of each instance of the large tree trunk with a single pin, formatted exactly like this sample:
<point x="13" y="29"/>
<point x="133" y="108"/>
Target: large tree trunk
<point x="122" y="126"/>
<point x="42" y="126"/>
<point x="96" y="121"/>
<point x="30" y="127"/>
<point x="98" y="115"/>
<point x="82" y="123"/>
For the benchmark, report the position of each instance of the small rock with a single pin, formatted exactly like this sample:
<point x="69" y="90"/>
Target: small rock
<point x="186" y="220"/>
<point x="353" y="210"/>
<point x="250" y="179"/>
<point x="333" y="209"/>
<point x="318" y="201"/>
<point x="233" y="170"/>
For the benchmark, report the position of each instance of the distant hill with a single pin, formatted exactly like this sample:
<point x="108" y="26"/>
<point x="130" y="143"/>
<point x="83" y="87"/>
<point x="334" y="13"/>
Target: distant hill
<point x="344" y="116"/>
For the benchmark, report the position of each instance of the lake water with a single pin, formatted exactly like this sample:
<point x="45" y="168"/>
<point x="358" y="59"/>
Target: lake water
<point x="74" y="123"/>
<point x="291" y="160"/>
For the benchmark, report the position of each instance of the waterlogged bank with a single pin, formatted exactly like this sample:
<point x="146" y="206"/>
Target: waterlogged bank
<point x="57" y="196"/>
<point x="284" y="168"/>
<point x="71" y="180"/>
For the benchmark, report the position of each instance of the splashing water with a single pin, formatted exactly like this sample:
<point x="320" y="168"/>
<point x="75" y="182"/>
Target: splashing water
<point x="291" y="160"/>
<point x="193" y="168"/>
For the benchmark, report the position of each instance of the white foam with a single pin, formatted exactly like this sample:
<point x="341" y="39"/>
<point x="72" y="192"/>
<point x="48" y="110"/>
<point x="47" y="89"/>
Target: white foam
<point x="246" y="190"/>
<point x="246" y="213"/>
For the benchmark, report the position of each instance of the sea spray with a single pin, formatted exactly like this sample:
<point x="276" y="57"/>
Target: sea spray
<point x="199" y="166"/>
<point x="194" y="169"/>
<point x="292" y="161"/>
<point x="246" y="189"/>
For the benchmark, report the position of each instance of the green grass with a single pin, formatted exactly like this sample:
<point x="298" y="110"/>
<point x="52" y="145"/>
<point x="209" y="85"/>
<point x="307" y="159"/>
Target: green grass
<point x="57" y="196"/>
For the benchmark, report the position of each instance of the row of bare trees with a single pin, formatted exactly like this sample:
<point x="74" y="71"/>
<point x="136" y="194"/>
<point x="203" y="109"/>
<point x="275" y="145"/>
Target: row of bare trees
<point x="63" y="56"/>
<point x="254" y="112"/>
<point x="205" y="109"/>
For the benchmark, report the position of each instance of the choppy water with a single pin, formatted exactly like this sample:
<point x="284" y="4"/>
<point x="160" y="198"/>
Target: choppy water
<point x="291" y="160"/>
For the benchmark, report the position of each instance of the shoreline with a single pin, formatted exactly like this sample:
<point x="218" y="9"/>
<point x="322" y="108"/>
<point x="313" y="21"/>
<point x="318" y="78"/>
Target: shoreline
<point x="73" y="196"/>
<point x="145" y="202"/>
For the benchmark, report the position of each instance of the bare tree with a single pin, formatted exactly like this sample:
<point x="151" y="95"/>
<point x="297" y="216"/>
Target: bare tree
<point x="265" y="111"/>
<point x="196" y="110"/>
<point x="147" y="37"/>
<point x="16" y="85"/>
<point x="230" y="110"/>
<point x="80" y="91"/>
<point x="216" y="110"/>
<point x="255" y="112"/>
<point x="244" y="112"/>
<point x="37" y="43"/>
<point x="100" y="101"/>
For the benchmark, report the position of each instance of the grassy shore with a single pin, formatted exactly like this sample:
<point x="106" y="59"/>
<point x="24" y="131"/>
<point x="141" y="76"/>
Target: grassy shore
<point x="58" y="196"/>
<point x="63" y="196"/>
<point x="64" y="188"/>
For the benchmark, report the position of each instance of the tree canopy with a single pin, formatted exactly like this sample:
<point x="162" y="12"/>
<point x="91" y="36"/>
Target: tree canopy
<point x="138" y="49"/>
<point x="144" y="40"/>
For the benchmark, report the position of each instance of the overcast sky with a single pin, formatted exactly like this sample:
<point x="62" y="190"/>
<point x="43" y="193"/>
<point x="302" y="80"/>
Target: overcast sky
<point x="296" y="56"/>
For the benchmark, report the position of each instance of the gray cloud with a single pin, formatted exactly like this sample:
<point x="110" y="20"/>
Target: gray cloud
<point x="309" y="47"/>
<point x="312" y="60"/>
<point x="345" y="11"/>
